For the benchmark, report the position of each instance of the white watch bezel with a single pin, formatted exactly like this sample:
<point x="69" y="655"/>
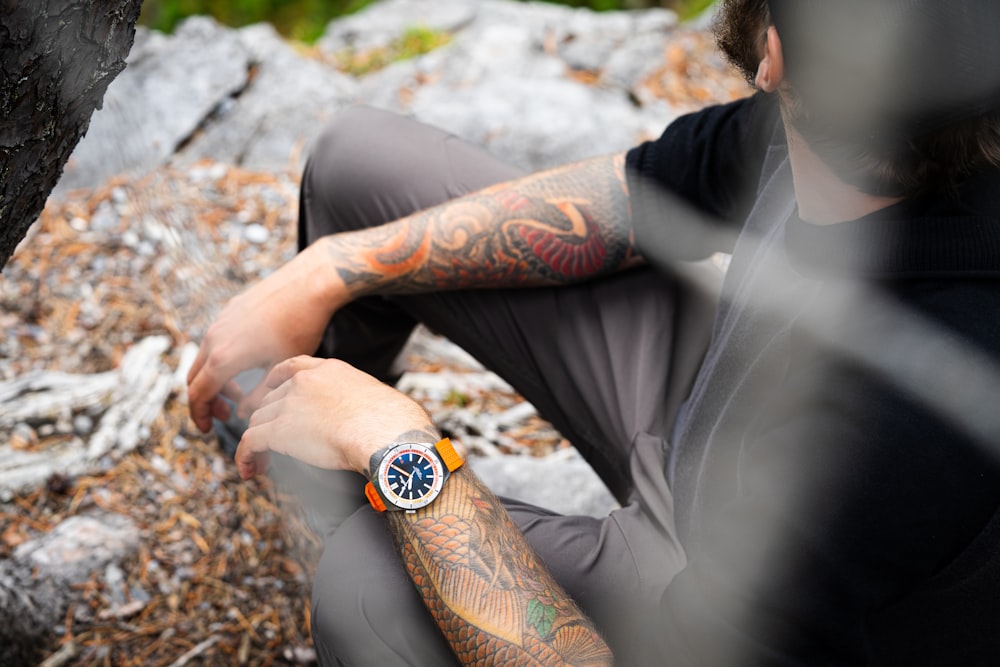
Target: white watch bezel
<point x="382" y="482"/>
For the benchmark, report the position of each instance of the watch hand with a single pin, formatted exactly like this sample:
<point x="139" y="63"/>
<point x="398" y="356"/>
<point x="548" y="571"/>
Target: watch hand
<point x="399" y="470"/>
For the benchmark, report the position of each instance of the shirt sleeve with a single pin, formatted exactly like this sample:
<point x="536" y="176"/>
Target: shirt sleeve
<point x="849" y="495"/>
<point x="700" y="177"/>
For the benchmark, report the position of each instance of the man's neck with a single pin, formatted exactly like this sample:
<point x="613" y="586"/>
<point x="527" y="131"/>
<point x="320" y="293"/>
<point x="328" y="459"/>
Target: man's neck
<point x="822" y="196"/>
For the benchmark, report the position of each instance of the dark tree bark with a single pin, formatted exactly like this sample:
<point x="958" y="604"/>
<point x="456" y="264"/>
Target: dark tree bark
<point x="57" y="58"/>
<point x="29" y="610"/>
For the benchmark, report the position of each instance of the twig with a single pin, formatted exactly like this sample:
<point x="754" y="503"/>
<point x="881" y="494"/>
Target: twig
<point x="61" y="657"/>
<point x="136" y="392"/>
<point x="196" y="651"/>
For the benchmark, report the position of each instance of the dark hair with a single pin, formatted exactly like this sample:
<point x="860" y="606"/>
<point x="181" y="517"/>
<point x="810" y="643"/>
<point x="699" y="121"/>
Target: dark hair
<point x="922" y="122"/>
<point x="740" y="30"/>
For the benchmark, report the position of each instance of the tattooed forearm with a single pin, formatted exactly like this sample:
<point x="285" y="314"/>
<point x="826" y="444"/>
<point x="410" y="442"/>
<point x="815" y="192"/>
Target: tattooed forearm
<point x="555" y="227"/>
<point x="485" y="587"/>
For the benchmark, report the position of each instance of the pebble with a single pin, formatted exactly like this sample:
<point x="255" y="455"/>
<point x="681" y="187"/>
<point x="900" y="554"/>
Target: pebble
<point x="104" y="218"/>
<point x="24" y="433"/>
<point x="119" y="195"/>
<point x="82" y="425"/>
<point x="160" y="465"/>
<point x="256" y="233"/>
<point x="218" y="171"/>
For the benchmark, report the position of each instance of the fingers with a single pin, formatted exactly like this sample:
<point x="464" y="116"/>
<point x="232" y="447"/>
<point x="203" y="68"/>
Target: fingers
<point x="276" y="378"/>
<point x="251" y="458"/>
<point x="253" y="453"/>
<point x="204" y="398"/>
<point x="221" y="410"/>
<point x="284" y="371"/>
<point x="204" y="386"/>
<point x="251" y="401"/>
<point x="233" y="391"/>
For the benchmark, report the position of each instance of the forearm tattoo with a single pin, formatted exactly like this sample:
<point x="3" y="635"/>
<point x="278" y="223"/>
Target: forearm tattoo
<point x="486" y="588"/>
<point x="529" y="232"/>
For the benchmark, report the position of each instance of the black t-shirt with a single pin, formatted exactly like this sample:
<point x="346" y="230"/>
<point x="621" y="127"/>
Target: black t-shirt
<point x="836" y="469"/>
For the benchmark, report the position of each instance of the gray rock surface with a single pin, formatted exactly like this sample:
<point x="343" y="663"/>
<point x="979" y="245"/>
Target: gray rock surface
<point x="170" y="86"/>
<point x="562" y="482"/>
<point x="79" y="546"/>
<point x="504" y="80"/>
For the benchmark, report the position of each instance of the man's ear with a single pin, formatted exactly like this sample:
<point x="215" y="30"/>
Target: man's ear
<point x="771" y="71"/>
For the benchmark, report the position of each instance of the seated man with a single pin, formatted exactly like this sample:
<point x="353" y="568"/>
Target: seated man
<point x="808" y="474"/>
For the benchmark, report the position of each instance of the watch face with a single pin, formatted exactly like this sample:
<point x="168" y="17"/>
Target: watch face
<point x="410" y="476"/>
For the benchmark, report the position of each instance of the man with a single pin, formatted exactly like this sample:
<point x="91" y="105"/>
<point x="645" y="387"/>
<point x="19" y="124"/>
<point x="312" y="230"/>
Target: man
<point x="802" y="491"/>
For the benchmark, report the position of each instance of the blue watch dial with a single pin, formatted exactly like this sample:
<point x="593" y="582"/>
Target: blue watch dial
<point x="410" y="476"/>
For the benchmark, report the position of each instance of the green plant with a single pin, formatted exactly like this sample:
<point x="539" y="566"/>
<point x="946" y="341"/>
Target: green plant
<point x="416" y="41"/>
<point x="305" y="20"/>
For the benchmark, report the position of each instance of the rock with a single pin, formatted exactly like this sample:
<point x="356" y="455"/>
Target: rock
<point x="80" y="546"/>
<point x="379" y="25"/>
<point x="248" y="98"/>
<point x="505" y="81"/>
<point x="37" y="584"/>
<point x="562" y="482"/>
<point x="271" y="125"/>
<point x="256" y="233"/>
<point x="170" y="85"/>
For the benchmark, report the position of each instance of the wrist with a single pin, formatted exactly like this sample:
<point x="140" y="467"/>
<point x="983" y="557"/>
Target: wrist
<point x="329" y="289"/>
<point x="361" y="458"/>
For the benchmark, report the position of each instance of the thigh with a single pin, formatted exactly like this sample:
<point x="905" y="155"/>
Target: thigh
<point x="370" y="167"/>
<point x="604" y="361"/>
<point x="365" y="610"/>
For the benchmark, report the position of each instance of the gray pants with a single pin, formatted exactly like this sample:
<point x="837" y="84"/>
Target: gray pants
<point x="607" y="362"/>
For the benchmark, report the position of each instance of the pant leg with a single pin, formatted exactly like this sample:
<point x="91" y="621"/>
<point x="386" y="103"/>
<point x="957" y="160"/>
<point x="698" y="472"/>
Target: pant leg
<point x="367" y="612"/>
<point x="607" y="362"/>
<point x="370" y="167"/>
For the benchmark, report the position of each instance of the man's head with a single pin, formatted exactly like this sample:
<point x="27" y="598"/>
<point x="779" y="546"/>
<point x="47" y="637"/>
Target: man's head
<point x="897" y="96"/>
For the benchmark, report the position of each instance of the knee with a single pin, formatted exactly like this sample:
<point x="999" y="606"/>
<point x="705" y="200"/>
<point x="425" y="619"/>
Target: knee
<point x="365" y="611"/>
<point x="345" y="137"/>
<point x="344" y="170"/>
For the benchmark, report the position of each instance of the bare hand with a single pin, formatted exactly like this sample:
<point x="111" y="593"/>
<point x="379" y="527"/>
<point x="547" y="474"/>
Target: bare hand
<point x="282" y="316"/>
<point x="326" y="413"/>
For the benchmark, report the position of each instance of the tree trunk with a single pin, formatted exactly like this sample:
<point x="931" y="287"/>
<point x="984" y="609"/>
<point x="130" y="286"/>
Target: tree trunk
<point x="57" y="58"/>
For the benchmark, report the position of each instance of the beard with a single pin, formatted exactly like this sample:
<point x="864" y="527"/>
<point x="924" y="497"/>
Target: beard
<point x="740" y="28"/>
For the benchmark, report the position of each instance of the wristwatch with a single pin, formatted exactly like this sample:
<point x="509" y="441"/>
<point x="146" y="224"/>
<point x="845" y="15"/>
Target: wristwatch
<point x="407" y="476"/>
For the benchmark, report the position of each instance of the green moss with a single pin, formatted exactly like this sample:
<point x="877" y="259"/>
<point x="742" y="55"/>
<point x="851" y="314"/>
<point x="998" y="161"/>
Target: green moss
<point x="302" y="20"/>
<point x="416" y="41"/>
<point x="691" y="9"/>
<point x="306" y="20"/>
<point x="458" y="398"/>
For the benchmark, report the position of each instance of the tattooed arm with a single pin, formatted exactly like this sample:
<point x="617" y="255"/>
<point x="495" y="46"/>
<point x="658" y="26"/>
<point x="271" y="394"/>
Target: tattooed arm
<point x="486" y="589"/>
<point x="557" y="226"/>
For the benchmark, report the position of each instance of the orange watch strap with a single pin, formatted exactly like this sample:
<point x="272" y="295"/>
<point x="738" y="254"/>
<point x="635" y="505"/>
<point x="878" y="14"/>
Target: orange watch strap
<point x="452" y="459"/>
<point x="374" y="498"/>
